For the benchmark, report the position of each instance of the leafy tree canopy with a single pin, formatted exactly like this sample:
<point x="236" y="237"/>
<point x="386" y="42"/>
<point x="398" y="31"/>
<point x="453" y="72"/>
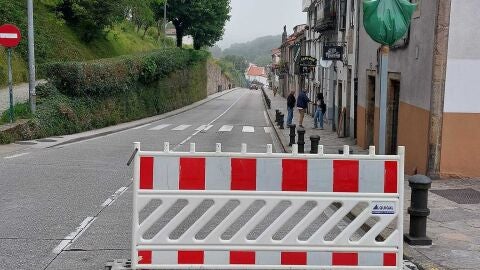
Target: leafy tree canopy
<point x="204" y="20"/>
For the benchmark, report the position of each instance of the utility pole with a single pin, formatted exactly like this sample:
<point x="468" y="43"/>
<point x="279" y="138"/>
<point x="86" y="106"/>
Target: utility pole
<point x="382" y="133"/>
<point x="31" y="57"/>
<point x="165" y="17"/>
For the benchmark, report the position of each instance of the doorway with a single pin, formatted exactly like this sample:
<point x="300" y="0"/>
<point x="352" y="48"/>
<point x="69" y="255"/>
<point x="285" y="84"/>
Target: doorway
<point x="392" y="116"/>
<point x="370" y="130"/>
<point x="340" y="116"/>
<point x="348" y="128"/>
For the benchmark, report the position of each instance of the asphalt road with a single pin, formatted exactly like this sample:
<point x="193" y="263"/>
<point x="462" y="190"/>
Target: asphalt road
<point x="69" y="207"/>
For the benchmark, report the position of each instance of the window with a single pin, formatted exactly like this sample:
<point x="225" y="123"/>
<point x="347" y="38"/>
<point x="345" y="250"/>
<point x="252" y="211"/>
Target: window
<point x="342" y="22"/>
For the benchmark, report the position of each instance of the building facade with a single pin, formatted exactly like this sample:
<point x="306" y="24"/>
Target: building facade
<point x="432" y="82"/>
<point x="292" y="48"/>
<point x="332" y="24"/>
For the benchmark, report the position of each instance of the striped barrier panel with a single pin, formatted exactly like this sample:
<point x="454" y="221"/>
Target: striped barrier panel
<point x="267" y="211"/>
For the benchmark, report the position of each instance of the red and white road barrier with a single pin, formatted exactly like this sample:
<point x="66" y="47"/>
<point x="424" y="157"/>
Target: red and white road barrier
<point x="267" y="211"/>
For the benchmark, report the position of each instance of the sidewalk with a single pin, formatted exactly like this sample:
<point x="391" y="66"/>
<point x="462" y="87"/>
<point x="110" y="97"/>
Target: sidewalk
<point x="328" y="138"/>
<point x="20" y="94"/>
<point x="453" y="226"/>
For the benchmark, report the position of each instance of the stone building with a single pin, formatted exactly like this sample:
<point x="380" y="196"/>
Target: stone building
<point x="292" y="48"/>
<point x="433" y="90"/>
<point x="332" y="25"/>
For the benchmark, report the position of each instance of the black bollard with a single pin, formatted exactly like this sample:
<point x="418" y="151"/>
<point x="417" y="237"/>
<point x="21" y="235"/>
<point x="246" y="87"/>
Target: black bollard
<point x="315" y="140"/>
<point x="282" y="121"/>
<point x="293" y="134"/>
<point x="301" y="140"/>
<point x="277" y="116"/>
<point x="419" y="211"/>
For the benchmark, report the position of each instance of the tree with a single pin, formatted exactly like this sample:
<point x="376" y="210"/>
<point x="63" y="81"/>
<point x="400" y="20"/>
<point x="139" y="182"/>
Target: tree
<point x="203" y="19"/>
<point x="209" y="28"/>
<point x="158" y="7"/>
<point x="90" y="17"/>
<point x="240" y="63"/>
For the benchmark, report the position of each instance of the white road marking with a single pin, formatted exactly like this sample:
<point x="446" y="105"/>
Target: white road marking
<point x="160" y="127"/>
<point x="73" y="235"/>
<point x="17" y="155"/>
<point x="248" y="129"/>
<point x="140" y="127"/>
<point x="211" y="122"/>
<point x="181" y="127"/>
<point x="114" y="197"/>
<point x="226" y="129"/>
<point x="204" y="128"/>
<point x="268" y="129"/>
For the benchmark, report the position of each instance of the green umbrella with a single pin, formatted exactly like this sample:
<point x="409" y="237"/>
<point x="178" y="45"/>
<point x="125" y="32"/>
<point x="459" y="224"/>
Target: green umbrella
<point x="387" y="21"/>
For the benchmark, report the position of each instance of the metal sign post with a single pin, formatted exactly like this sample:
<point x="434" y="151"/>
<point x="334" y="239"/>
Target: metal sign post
<point x="383" y="99"/>
<point x="10" y="37"/>
<point x="10" y="82"/>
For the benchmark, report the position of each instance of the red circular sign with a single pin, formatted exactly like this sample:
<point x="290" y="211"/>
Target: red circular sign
<point x="9" y="35"/>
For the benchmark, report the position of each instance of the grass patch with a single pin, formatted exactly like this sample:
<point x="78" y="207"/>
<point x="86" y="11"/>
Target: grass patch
<point x="55" y="41"/>
<point x="21" y="111"/>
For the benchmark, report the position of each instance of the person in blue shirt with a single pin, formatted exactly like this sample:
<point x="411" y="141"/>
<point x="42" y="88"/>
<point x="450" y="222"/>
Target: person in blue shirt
<point x="302" y="105"/>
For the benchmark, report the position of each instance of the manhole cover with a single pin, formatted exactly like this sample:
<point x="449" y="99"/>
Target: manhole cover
<point x="26" y="143"/>
<point x="460" y="196"/>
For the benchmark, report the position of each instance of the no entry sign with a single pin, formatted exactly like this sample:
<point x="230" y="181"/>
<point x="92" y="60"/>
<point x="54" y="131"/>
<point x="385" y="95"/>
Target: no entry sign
<point x="9" y="36"/>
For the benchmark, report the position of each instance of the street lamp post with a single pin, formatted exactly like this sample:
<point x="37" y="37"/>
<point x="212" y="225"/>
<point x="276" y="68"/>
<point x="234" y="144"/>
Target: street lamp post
<point x="31" y="57"/>
<point x="165" y="18"/>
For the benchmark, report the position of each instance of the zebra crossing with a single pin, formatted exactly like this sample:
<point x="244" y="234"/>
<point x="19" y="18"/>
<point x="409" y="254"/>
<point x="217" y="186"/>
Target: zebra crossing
<point x="205" y="128"/>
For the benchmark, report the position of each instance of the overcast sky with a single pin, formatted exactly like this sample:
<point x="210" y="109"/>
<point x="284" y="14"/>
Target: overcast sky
<point x="256" y="18"/>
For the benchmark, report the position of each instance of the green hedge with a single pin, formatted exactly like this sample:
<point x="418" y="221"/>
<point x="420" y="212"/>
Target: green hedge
<point x="112" y="76"/>
<point x="59" y="114"/>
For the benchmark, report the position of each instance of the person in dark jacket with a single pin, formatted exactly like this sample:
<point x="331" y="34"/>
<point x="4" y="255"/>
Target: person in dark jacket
<point x="302" y="104"/>
<point x="291" y="100"/>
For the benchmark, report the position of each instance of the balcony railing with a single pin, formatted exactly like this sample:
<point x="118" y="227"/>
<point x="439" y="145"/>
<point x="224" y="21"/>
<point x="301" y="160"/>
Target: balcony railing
<point x="327" y="24"/>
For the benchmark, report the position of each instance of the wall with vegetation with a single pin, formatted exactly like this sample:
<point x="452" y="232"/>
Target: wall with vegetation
<point x="83" y="96"/>
<point x="217" y="80"/>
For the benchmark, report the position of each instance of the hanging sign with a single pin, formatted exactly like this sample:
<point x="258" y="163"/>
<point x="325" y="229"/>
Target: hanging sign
<point x="332" y="52"/>
<point x="308" y="61"/>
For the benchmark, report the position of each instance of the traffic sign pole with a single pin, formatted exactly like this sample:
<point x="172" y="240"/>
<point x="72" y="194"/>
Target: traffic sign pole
<point x="10" y="82"/>
<point x="10" y="37"/>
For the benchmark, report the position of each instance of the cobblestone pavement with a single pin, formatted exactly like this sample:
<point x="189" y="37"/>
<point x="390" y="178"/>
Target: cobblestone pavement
<point x="453" y="226"/>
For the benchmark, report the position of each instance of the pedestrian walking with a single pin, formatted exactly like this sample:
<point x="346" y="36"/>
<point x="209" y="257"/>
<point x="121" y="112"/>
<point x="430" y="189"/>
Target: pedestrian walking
<point x="275" y="90"/>
<point x="323" y="109"/>
<point x="291" y="100"/>
<point x="302" y="104"/>
<point x="318" y="112"/>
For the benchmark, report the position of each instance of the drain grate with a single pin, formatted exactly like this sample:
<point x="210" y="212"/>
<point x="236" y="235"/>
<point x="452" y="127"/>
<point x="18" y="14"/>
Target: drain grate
<point x="26" y="143"/>
<point x="460" y="196"/>
<point x="46" y="140"/>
